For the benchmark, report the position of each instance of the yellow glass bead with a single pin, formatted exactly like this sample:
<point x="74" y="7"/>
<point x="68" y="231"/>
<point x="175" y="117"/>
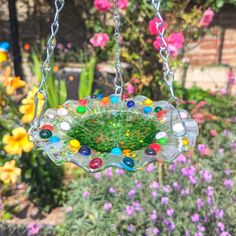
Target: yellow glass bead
<point x="148" y="102"/>
<point x="185" y="141"/>
<point x="133" y="154"/>
<point x="126" y="152"/>
<point x="74" y="143"/>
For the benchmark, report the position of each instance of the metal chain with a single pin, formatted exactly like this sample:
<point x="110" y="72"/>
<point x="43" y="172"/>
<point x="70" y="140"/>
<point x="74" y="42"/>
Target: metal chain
<point x="118" y="81"/>
<point x="164" y="51"/>
<point x="47" y="65"/>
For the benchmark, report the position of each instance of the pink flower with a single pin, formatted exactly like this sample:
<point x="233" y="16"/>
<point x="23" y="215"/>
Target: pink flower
<point x="157" y="43"/>
<point x="207" y="18"/>
<point x="203" y="149"/>
<point x="69" y="209"/>
<point x="176" y="39"/>
<point x="213" y="132"/>
<point x="130" y="88"/>
<point x="153" y="26"/>
<point x="99" y="40"/>
<point x="33" y="229"/>
<point x="123" y="4"/>
<point x="102" y="5"/>
<point x="107" y="206"/>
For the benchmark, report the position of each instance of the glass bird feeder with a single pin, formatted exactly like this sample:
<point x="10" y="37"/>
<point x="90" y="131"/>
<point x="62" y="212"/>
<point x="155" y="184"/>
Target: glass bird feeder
<point x="98" y="132"/>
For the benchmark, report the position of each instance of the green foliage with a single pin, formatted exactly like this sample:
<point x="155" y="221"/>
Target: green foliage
<point x="45" y="181"/>
<point x="86" y="78"/>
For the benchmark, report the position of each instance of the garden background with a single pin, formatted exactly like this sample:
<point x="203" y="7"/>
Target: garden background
<point x="195" y="195"/>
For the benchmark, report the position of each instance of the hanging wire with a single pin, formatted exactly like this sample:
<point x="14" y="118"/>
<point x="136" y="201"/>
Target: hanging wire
<point x="169" y="76"/>
<point x="118" y="81"/>
<point x="47" y="65"/>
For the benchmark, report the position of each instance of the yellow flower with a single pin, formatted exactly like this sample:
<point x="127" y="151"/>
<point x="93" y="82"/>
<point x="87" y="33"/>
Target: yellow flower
<point x="9" y="173"/>
<point x="12" y="84"/>
<point x="27" y="107"/>
<point x="18" y="142"/>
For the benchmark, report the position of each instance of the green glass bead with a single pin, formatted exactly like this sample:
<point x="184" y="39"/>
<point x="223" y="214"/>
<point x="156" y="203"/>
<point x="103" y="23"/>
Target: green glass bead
<point x="45" y="134"/>
<point x="162" y="141"/>
<point x="81" y="109"/>
<point x="157" y="109"/>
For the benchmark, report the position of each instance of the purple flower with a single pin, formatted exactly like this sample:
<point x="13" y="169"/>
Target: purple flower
<point x="209" y="201"/>
<point x="138" y="184"/>
<point x="228" y="183"/>
<point x="195" y="218"/>
<point x="181" y="159"/>
<point x="164" y="200"/>
<point x="199" y="203"/>
<point x="221" y="226"/>
<point x="172" y="167"/>
<point x="198" y="234"/>
<point x="150" y="168"/>
<point x="219" y="213"/>
<point x="130" y="228"/>
<point x="108" y="172"/>
<point x="154" y="185"/>
<point x="119" y="171"/>
<point x="60" y="46"/>
<point x="185" y="192"/>
<point x="137" y="206"/>
<point x="107" y="206"/>
<point x="68" y="209"/>
<point x="98" y="175"/>
<point x="86" y="194"/>
<point x="233" y="145"/>
<point x="170" y="225"/>
<point x="226" y="132"/>
<point x="131" y="193"/>
<point x="201" y="228"/>
<point x="221" y="151"/>
<point x="188" y="171"/>
<point x="225" y="234"/>
<point x="152" y="231"/>
<point x="167" y="189"/>
<point x="192" y="180"/>
<point x="187" y="233"/>
<point x="170" y="212"/>
<point x="153" y="216"/>
<point x="111" y="190"/>
<point x="206" y="176"/>
<point x="33" y="229"/>
<point x="210" y="191"/>
<point x="176" y="186"/>
<point x="154" y="194"/>
<point x="227" y="172"/>
<point x="129" y="210"/>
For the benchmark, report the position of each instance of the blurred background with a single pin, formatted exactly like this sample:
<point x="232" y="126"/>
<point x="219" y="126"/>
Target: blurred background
<point x="193" y="196"/>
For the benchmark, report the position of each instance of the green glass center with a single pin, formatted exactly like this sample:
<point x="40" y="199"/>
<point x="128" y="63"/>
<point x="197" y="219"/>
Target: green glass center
<point x="105" y="131"/>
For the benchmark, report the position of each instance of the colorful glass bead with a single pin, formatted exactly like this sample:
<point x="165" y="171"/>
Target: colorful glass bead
<point x="114" y="99"/>
<point x="100" y="96"/>
<point x="95" y="163"/>
<point x="178" y="128"/>
<point x="129" y="162"/>
<point x="185" y="141"/>
<point x="83" y="102"/>
<point x="150" y="152"/>
<point x="124" y="96"/>
<point x="155" y="146"/>
<point x="62" y="112"/>
<point x="147" y="109"/>
<point x="127" y="152"/>
<point x="54" y="139"/>
<point x="49" y="127"/>
<point x="105" y="101"/>
<point x="116" y="151"/>
<point x="51" y="116"/>
<point x="65" y="126"/>
<point x="157" y="109"/>
<point x="148" y="102"/>
<point x="45" y="134"/>
<point x="81" y="109"/>
<point x="163" y="141"/>
<point x="161" y="135"/>
<point x="161" y="113"/>
<point x="130" y="104"/>
<point x="85" y="151"/>
<point x="74" y="143"/>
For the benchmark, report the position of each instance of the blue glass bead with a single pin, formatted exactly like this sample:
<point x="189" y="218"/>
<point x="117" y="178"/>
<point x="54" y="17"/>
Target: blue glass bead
<point x="114" y="99"/>
<point x="150" y="152"/>
<point x="128" y="162"/>
<point x="100" y="96"/>
<point x="147" y="109"/>
<point x="85" y="151"/>
<point x="130" y="104"/>
<point x="54" y="139"/>
<point x="116" y="151"/>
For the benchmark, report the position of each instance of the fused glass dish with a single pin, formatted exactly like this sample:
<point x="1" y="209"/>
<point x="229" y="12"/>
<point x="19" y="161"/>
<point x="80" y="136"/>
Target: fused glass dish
<point x="100" y="132"/>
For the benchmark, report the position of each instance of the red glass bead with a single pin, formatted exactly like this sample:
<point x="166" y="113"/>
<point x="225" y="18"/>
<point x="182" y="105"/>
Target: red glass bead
<point x="83" y="102"/>
<point x="160" y="114"/>
<point x="155" y="146"/>
<point x="95" y="163"/>
<point x="124" y="96"/>
<point x="49" y="127"/>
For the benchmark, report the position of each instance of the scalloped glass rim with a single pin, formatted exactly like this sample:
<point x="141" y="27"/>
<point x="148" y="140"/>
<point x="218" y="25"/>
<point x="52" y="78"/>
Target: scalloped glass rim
<point x="64" y="118"/>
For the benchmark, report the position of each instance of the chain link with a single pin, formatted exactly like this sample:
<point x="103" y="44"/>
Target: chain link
<point x="47" y="65"/>
<point x="169" y="76"/>
<point x="118" y="81"/>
